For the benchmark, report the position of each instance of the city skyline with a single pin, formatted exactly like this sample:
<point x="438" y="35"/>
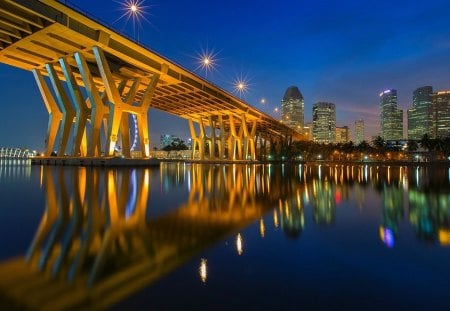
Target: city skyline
<point x="341" y="53"/>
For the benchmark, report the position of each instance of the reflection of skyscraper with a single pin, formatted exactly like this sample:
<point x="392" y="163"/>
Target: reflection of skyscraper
<point x="441" y="102"/>
<point x="359" y="131"/>
<point x="391" y="118"/>
<point x="392" y="213"/>
<point x="323" y="203"/>
<point x="293" y="108"/>
<point x="324" y="122"/>
<point x="420" y="115"/>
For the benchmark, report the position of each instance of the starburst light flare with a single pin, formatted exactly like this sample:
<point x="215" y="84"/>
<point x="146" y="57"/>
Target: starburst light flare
<point x="136" y="10"/>
<point x="207" y="61"/>
<point x="241" y="87"/>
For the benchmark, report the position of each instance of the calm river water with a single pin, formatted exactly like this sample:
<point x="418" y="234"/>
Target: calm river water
<point x="224" y="237"/>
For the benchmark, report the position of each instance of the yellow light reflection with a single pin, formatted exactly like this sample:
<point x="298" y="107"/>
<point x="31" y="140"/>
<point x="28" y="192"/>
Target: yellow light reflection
<point x="203" y="270"/>
<point x="239" y="246"/>
<point x="275" y="218"/>
<point x="444" y="237"/>
<point x="262" y="228"/>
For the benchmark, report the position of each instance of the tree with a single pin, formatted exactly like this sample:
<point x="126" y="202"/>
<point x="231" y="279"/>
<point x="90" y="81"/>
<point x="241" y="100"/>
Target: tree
<point x="412" y="145"/>
<point x="427" y="143"/>
<point x="177" y="144"/>
<point x="379" y="143"/>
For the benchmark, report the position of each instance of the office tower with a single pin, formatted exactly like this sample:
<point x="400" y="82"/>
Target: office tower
<point x="166" y="140"/>
<point x="293" y="108"/>
<point x="324" y="122"/>
<point x="391" y="118"/>
<point x="307" y="131"/>
<point x="441" y="103"/>
<point x="342" y="134"/>
<point x="359" y="131"/>
<point x="420" y="115"/>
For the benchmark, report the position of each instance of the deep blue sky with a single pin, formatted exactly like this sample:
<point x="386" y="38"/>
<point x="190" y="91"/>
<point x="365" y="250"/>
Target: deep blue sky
<point x="344" y="52"/>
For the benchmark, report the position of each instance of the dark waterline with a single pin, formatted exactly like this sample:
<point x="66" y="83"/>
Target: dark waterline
<point x="203" y="237"/>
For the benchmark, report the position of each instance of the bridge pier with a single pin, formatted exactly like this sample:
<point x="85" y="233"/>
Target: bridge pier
<point x="55" y="115"/>
<point x="108" y="109"/>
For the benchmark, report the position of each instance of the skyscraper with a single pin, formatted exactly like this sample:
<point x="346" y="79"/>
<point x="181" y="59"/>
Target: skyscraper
<point x="324" y="122"/>
<point x="391" y="118"/>
<point x="441" y="103"/>
<point x="420" y="115"/>
<point x="342" y="134"/>
<point x="359" y="131"/>
<point x="293" y="108"/>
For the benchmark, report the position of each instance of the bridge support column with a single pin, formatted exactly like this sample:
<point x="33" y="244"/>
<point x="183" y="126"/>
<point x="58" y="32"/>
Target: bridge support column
<point x="82" y="107"/>
<point x="118" y="106"/>
<point x="68" y="112"/>
<point x="197" y="141"/>
<point x="55" y="115"/>
<point x="235" y="140"/>
<point x="248" y="138"/>
<point x="99" y="110"/>
<point x="221" y="141"/>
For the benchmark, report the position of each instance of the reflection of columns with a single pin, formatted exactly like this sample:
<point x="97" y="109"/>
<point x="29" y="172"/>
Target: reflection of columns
<point x="55" y="115"/>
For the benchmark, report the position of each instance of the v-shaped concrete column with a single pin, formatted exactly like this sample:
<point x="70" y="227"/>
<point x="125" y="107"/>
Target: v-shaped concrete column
<point x="99" y="109"/>
<point x="54" y="113"/>
<point x="82" y="107"/>
<point x="68" y="112"/>
<point x="119" y="106"/>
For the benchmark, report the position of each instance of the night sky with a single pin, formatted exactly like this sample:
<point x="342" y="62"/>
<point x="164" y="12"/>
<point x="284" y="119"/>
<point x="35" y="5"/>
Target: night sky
<point x="344" y="52"/>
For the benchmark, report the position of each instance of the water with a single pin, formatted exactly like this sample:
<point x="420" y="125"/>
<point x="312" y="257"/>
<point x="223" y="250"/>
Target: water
<point x="211" y="237"/>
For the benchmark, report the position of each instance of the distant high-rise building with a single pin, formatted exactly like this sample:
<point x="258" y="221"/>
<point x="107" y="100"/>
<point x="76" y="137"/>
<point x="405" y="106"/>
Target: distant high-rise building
<point x="293" y="108"/>
<point x="342" y="134"/>
<point x="420" y="115"/>
<point x="166" y="140"/>
<point x="359" y="131"/>
<point x="441" y="103"/>
<point x="391" y="118"/>
<point x="307" y="131"/>
<point x="324" y="122"/>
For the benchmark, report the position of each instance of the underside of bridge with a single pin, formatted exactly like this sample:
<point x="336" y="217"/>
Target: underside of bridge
<point x="98" y="87"/>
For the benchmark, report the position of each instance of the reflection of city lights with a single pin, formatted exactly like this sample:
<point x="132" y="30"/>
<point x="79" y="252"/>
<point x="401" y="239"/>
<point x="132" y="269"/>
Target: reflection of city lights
<point x="262" y="228"/>
<point x="275" y="218"/>
<point x="202" y="270"/>
<point x="387" y="236"/>
<point x="444" y="237"/>
<point x="239" y="247"/>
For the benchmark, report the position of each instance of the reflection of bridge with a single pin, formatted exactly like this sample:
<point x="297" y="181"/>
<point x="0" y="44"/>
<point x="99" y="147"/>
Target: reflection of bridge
<point x="98" y="241"/>
<point x="120" y="78"/>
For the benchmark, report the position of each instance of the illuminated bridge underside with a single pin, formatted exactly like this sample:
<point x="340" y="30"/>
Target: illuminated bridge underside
<point x="92" y="79"/>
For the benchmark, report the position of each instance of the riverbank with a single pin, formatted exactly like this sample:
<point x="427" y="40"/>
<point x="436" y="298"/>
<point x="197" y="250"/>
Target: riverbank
<point x="126" y="162"/>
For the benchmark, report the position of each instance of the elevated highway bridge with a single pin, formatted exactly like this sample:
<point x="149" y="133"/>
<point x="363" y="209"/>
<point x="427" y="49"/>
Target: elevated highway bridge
<point x="92" y="79"/>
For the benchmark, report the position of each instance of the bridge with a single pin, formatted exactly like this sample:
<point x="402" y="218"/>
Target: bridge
<point x="16" y="153"/>
<point x="94" y="81"/>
